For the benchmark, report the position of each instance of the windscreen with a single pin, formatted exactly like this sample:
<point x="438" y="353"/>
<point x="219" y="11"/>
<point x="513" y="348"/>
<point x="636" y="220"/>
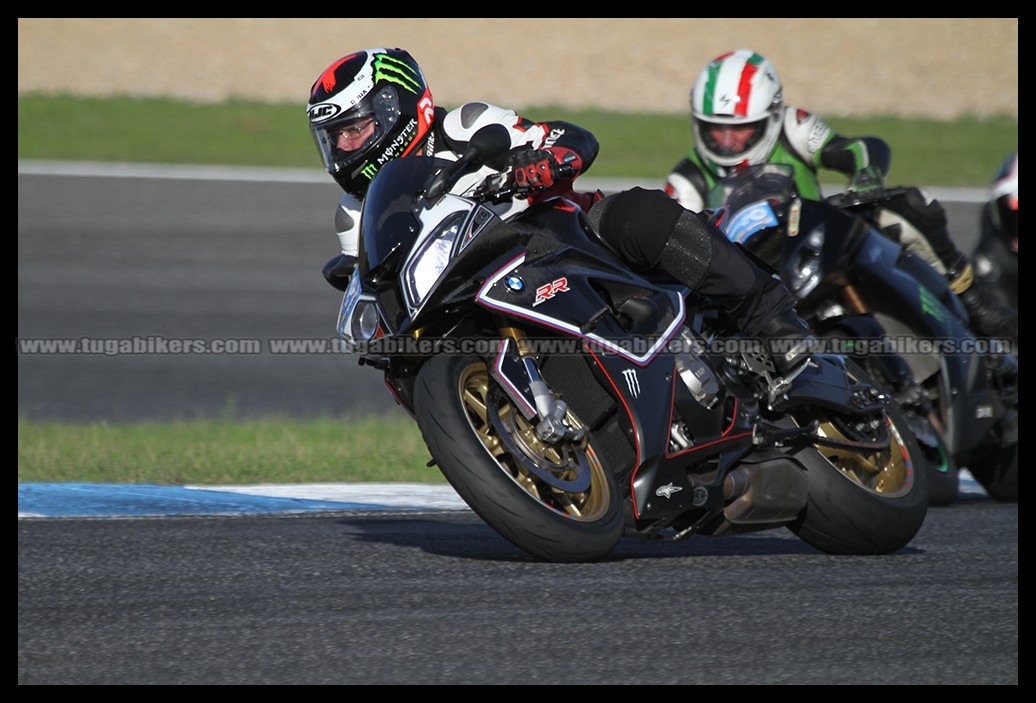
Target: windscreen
<point x="387" y="223"/>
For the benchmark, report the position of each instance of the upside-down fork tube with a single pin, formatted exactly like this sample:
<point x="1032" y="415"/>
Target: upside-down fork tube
<point x="508" y="368"/>
<point x="853" y="301"/>
<point x="515" y="369"/>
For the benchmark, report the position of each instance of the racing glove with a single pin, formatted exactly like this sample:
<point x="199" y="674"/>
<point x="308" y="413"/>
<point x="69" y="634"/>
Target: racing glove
<point x="867" y="179"/>
<point x="536" y="169"/>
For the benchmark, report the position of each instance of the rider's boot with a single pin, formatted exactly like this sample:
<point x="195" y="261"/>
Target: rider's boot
<point x="988" y="317"/>
<point x="754" y="298"/>
<point x="789" y="340"/>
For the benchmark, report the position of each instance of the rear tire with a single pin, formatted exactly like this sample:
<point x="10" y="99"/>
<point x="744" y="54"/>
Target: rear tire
<point x="556" y="502"/>
<point x="862" y="502"/>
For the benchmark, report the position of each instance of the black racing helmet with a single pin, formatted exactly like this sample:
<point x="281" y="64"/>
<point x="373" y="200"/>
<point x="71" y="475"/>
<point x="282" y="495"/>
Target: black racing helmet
<point x="366" y="109"/>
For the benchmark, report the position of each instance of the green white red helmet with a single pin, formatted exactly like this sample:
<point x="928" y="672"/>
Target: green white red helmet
<point x="737" y="88"/>
<point x="384" y="83"/>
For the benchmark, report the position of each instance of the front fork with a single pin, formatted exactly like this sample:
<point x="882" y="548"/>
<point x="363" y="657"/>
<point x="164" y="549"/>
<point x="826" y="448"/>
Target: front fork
<point x="514" y="368"/>
<point x="907" y="390"/>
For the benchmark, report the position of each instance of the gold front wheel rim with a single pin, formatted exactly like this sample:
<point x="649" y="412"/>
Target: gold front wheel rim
<point x="513" y="454"/>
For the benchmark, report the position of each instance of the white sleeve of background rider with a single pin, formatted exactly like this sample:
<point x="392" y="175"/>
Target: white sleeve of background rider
<point x="347" y="224"/>
<point x="806" y="133"/>
<point x="683" y="191"/>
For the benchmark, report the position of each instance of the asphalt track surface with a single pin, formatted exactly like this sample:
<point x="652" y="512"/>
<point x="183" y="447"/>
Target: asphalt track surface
<point x="438" y="598"/>
<point x="333" y="595"/>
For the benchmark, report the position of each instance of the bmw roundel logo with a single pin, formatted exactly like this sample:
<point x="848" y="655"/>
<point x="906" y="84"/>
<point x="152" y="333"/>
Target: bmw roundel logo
<point x="514" y="283"/>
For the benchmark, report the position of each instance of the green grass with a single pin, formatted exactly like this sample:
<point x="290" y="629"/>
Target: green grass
<point x="225" y="452"/>
<point x="925" y="152"/>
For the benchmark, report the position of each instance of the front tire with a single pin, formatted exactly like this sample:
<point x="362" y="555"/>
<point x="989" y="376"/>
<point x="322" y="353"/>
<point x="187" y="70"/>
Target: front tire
<point x="997" y="471"/>
<point x="940" y="466"/>
<point x="555" y="501"/>
<point x="862" y="502"/>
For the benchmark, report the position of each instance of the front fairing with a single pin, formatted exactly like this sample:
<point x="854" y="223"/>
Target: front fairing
<point x="388" y="224"/>
<point x="578" y="297"/>
<point x="410" y="246"/>
<point x="757" y="207"/>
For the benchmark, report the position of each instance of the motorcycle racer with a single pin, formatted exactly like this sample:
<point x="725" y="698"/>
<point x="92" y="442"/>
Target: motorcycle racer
<point x="739" y="118"/>
<point x="996" y="255"/>
<point x="372" y="106"/>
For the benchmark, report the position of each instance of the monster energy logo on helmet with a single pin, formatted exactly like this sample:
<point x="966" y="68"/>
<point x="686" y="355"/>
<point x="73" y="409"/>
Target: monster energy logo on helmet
<point x="393" y="70"/>
<point x="369" y="170"/>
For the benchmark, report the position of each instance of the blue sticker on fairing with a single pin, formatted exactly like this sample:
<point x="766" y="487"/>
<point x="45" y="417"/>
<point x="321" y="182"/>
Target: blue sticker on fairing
<point x="749" y="220"/>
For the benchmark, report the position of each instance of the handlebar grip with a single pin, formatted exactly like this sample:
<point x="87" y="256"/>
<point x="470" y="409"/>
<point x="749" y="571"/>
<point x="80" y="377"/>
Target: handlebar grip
<point x="852" y="198"/>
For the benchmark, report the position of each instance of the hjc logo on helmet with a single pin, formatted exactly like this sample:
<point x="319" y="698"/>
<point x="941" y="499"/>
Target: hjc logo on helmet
<point x="322" y="111"/>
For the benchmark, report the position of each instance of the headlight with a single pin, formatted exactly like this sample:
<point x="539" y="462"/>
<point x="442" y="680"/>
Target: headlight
<point x="364" y="323"/>
<point x="358" y="319"/>
<point x="805" y="269"/>
<point x="431" y="259"/>
<point x="349" y="301"/>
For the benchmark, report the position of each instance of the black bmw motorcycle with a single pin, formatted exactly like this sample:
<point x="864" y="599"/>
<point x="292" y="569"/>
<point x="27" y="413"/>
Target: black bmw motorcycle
<point x="571" y="402"/>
